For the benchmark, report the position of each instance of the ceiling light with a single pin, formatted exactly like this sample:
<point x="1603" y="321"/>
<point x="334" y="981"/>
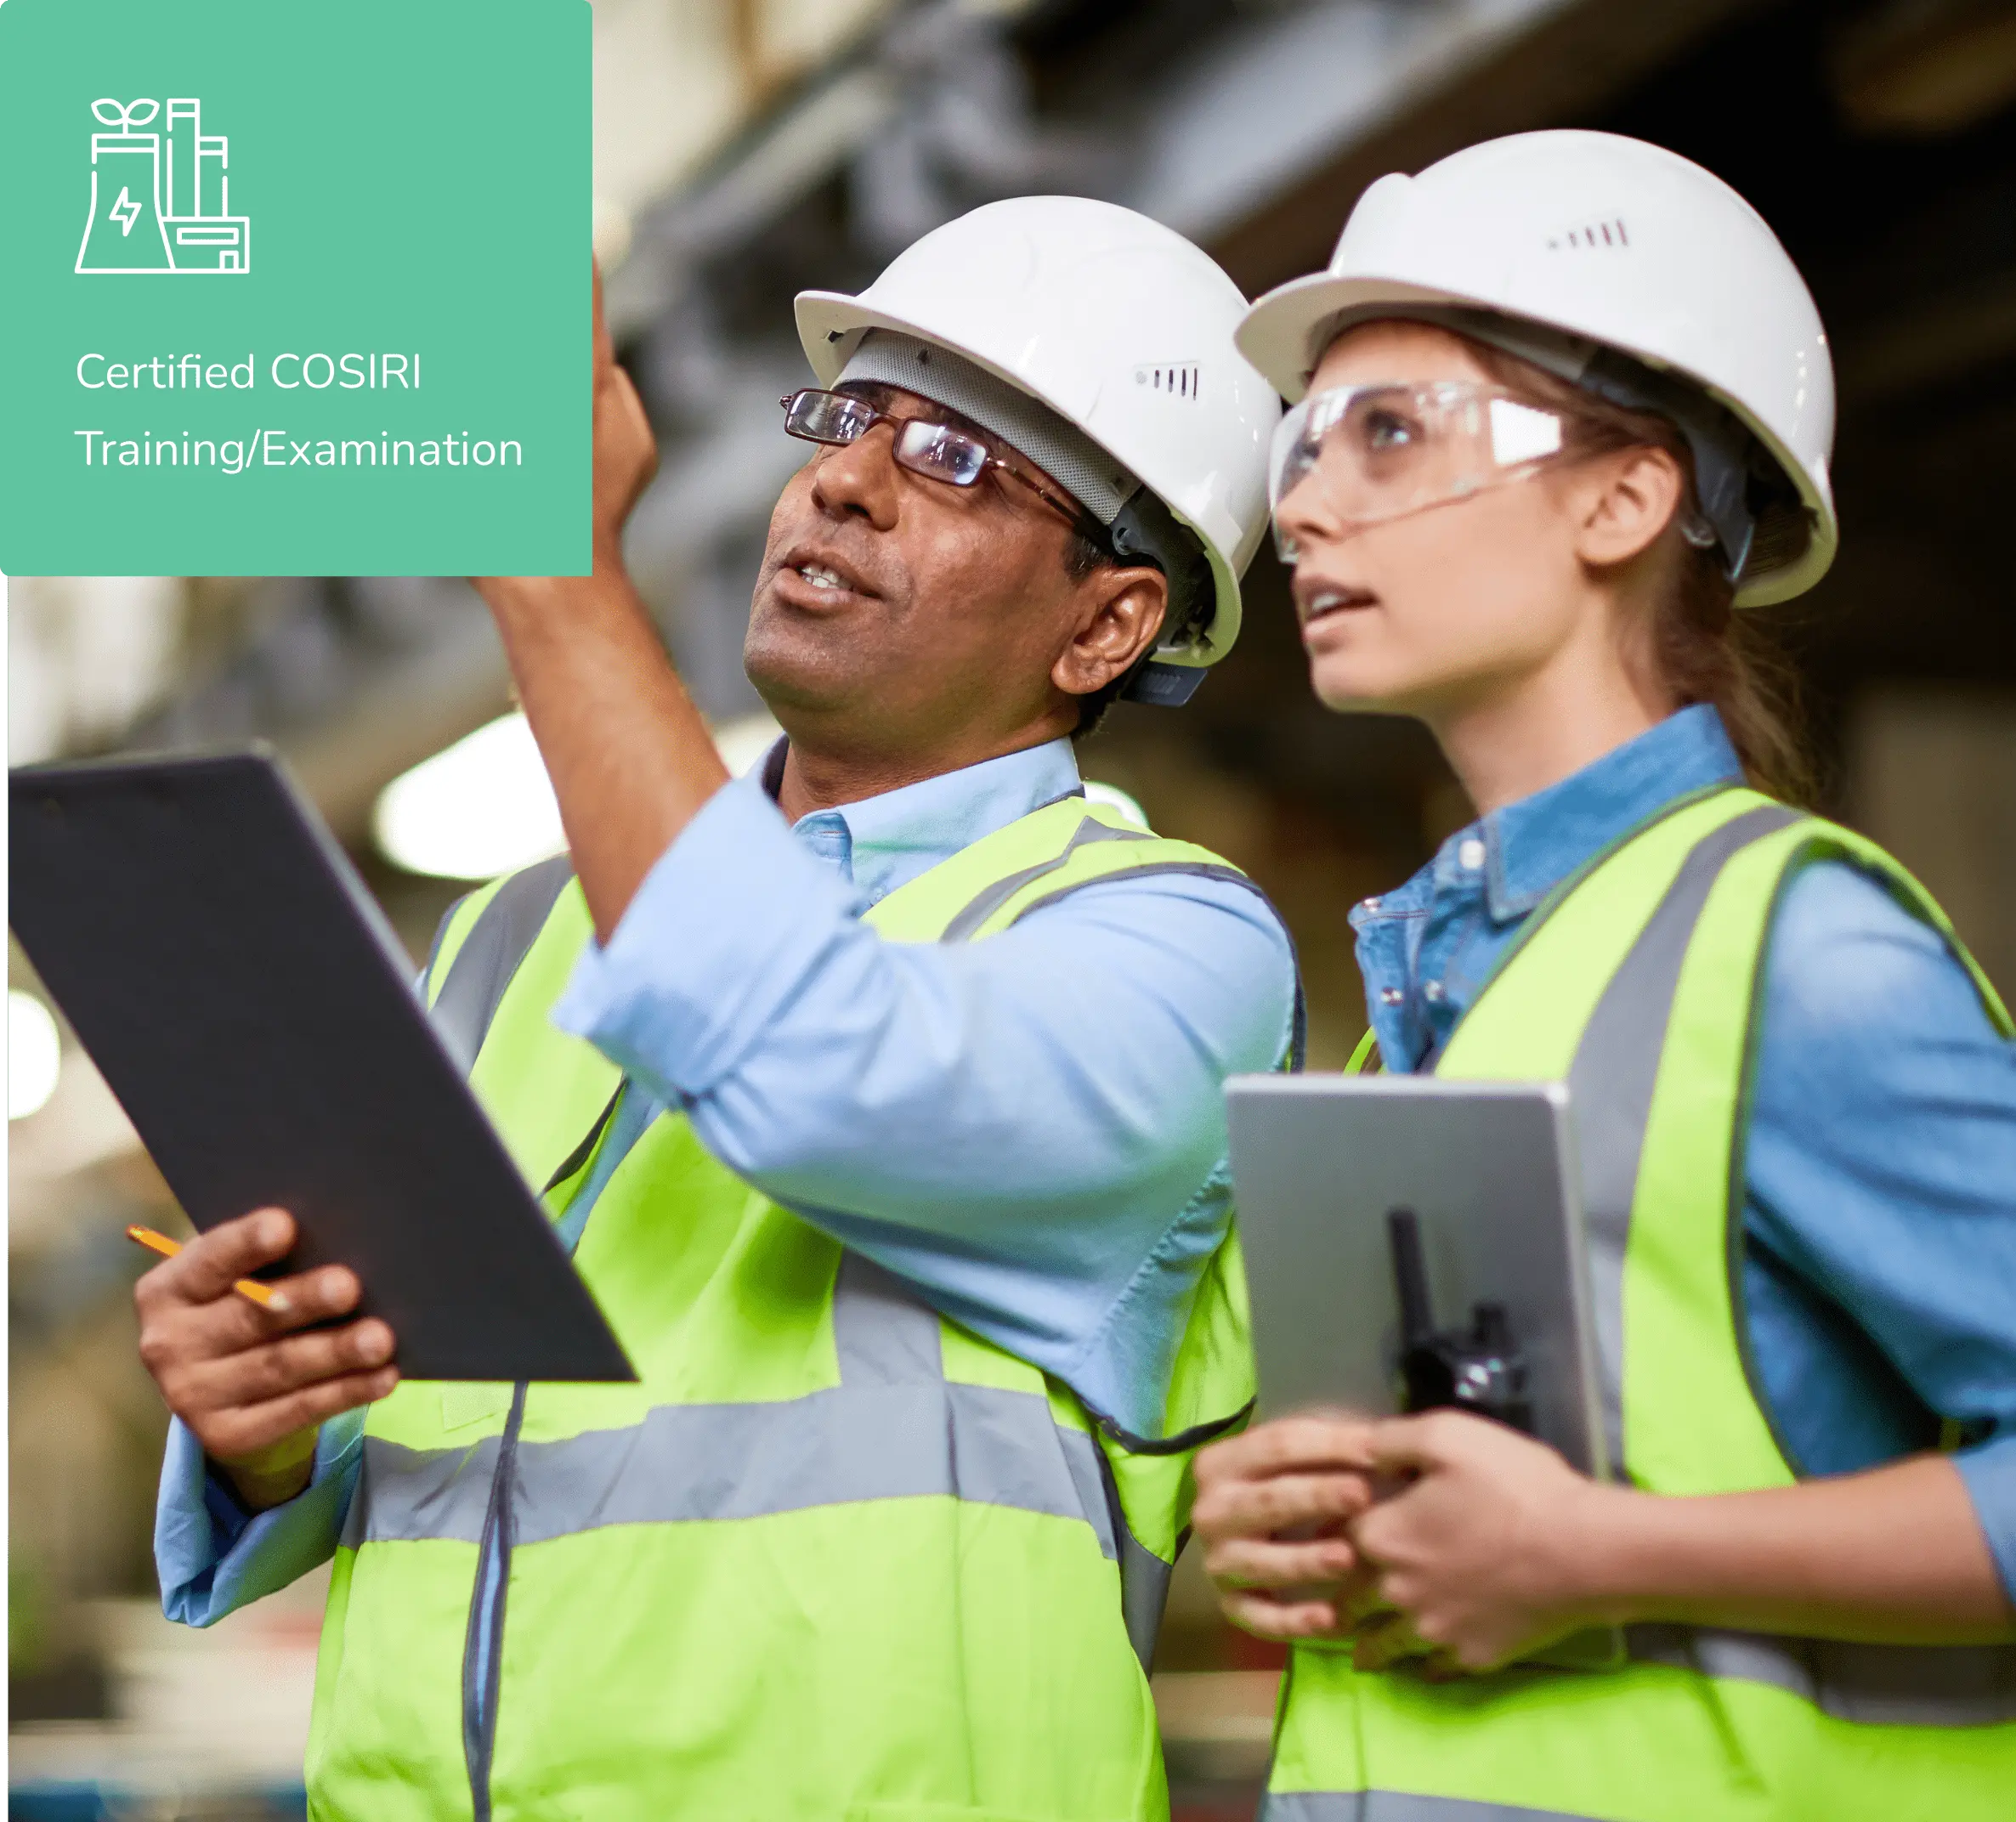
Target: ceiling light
<point x="1116" y="799"/>
<point x="34" y="1055"/>
<point x="744" y="742"/>
<point x="477" y="809"/>
<point x="1921" y="67"/>
<point x="485" y="807"/>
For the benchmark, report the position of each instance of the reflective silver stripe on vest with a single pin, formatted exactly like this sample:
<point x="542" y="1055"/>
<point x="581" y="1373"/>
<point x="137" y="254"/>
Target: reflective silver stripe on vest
<point x="1396" y="1806"/>
<point x="991" y="900"/>
<point x="686" y="1462"/>
<point x="978" y="1443"/>
<point x="1615" y="1072"/>
<point x="895" y="1427"/>
<point x="499" y="940"/>
<point x="1144" y="1589"/>
<point x="977" y="912"/>
<point x="1610" y="1085"/>
<point x="1885" y="1685"/>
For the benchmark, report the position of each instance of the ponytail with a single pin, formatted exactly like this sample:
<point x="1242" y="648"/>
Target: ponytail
<point x="1705" y="651"/>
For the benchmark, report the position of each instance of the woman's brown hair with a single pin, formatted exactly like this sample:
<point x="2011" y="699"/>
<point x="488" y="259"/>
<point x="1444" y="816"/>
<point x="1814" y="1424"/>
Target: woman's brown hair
<point x="1703" y="650"/>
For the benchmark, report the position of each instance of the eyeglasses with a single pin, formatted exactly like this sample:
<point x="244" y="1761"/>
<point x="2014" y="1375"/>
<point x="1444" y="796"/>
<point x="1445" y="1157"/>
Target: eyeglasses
<point x="936" y="451"/>
<point x="1375" y="453"/>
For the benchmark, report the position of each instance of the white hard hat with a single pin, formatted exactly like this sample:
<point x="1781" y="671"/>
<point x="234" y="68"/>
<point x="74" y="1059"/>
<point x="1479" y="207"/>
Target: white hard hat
<point x="1610" y="243"/>
<point x="1121" y="328"/>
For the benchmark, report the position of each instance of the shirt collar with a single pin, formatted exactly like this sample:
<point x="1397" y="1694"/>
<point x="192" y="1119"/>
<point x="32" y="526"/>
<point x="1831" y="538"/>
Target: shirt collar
<point x="885" y="841"/>
<point x="1531" y="846"/>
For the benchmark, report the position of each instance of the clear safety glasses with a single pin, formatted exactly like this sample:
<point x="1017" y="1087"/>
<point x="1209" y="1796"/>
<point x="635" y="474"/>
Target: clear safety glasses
<point x="1375" y="453"/>
<point x="936" y="451"/>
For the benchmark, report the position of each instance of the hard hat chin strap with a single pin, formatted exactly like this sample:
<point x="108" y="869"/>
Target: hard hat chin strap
<point x="1725" y="452"/>
<point x="1145" y="531"/>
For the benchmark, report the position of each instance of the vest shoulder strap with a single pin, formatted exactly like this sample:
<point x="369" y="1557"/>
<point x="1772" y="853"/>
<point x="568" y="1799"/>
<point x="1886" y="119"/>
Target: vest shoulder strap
<point x="482" y="940"/>
<point x="985" y="887"/>
<point x="1056" y="850"/>
<point x="1527" y="1018"/>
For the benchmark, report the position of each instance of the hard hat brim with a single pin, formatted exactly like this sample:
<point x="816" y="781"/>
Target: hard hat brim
<point x="831" y="325"/>
<point x="1275" y="334"/>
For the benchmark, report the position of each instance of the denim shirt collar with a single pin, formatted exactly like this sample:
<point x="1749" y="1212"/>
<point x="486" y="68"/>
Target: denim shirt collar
<point x="1426" y="950"/>
<point x="1529" y="847"/>
<point x="1533" y="844"/>
<point x="885" y="841"/>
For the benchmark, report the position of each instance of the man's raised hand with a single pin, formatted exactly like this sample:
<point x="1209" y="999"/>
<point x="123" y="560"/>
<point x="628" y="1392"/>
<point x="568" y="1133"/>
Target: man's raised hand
<point x="625" y="452"/>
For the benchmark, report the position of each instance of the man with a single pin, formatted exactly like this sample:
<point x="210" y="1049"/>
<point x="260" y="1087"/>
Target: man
<point x="881" y="1099"/>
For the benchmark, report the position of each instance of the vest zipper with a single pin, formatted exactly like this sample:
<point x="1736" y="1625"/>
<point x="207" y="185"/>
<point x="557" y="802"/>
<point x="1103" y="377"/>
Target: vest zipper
<point x="483" y="1650"/>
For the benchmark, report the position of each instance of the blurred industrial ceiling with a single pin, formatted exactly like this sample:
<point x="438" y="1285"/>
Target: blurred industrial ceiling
<point x="745" y="149"/>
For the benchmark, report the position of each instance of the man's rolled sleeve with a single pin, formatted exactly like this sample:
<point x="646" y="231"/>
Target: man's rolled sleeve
<point x="722" y="934"/>
<point x="1029" y="1131"/>
<point x="213" y="1558"/>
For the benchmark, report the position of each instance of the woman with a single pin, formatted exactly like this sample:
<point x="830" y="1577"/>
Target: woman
<point x="1567" y="404"/>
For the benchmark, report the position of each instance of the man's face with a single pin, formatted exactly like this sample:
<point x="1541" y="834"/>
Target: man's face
<point x="896" y="612"/>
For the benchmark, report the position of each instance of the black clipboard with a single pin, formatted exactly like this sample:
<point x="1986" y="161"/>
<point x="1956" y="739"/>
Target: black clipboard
<point x="243" y="996"/>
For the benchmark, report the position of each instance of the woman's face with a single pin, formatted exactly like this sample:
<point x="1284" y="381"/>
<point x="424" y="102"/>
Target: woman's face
<point x="1428" y="613"/>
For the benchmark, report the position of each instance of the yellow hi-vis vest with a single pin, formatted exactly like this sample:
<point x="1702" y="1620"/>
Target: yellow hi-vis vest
<point x="833" y="1556"/>
<point x="1637" y="983"/>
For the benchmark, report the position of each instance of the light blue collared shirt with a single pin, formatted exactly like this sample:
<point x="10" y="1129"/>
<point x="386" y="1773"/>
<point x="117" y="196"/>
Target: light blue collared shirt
<point x="1879" y="1280"/>
<point x="1030" y="1130"/>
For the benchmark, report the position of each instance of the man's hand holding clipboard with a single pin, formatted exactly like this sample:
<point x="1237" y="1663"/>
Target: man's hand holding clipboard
<point x="254" y="1382"/>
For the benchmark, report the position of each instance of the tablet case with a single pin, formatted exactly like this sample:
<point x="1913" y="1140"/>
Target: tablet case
<point x="1487" y="1168"/>
<point x="1489" y="1171"/>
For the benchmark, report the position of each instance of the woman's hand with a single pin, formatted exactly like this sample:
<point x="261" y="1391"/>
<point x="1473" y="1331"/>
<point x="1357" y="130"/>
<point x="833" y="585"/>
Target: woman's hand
<point x="1495" y="1547"/>
<point x="1448" y="1538"/>
<point x="1271" y="1508"/>
<point x="1442" y="1536"/>
<point x="1487" y="1551"/>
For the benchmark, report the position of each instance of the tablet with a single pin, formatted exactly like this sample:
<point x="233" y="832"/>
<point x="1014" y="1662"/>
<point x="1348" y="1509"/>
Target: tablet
<point x="245" y="999"/>
<point x="1482" y="1173"/>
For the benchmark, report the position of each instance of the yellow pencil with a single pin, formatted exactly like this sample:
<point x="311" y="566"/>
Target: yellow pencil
<point x="249" y="1287"/>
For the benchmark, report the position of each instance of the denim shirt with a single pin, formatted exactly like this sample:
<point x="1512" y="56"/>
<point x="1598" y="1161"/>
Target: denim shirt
<point x="1879" y="1217"/>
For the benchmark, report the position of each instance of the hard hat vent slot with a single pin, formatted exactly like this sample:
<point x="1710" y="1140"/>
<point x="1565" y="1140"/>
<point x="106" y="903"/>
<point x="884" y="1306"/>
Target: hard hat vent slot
<point x="1598" y="234"/>
<point x="1182" y="378"/>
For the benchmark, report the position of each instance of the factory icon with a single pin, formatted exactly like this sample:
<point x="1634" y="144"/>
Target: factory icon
<point x="161" y="202"/>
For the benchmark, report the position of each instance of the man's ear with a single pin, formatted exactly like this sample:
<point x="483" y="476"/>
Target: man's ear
<point x="1120" y="615"/>
<point x="1631" y="499"/>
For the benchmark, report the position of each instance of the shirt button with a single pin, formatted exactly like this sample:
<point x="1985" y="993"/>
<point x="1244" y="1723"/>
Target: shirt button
<point x="1471" y="855"/>
<point x="1432" y="991"/>
<point x="1369" y="904"/>
<point x="1391" y="996"/>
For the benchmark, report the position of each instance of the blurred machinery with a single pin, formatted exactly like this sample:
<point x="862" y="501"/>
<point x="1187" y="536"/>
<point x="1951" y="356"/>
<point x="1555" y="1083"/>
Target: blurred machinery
<point x="746" y="149"/>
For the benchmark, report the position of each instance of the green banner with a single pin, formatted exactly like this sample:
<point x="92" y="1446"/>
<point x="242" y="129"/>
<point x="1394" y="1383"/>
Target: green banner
<point x="294" y="289"/>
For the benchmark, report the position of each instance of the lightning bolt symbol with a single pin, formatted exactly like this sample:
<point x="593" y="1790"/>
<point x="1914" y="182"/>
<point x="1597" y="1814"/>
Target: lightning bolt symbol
<point x="126" y="211"/>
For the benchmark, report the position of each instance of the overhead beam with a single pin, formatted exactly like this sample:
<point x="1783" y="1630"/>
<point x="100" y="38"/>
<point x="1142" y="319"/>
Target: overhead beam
<point x="1941" y="339"/>
<point x="1568" y="65"/>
